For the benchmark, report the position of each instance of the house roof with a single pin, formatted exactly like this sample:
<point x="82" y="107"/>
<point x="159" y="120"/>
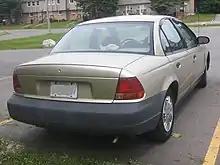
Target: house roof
<point x="151" y="18"/>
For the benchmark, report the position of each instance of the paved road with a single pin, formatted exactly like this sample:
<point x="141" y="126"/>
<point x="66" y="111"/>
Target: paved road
<point x="28" y="33"/>
<point x="196" y="120"/>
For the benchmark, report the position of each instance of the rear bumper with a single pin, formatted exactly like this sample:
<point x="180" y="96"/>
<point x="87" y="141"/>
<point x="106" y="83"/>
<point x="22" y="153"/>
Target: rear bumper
<point x="129" y="118"/>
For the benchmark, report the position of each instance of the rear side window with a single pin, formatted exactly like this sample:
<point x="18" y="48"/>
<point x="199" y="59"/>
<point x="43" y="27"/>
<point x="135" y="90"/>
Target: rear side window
<point x="173" y="37"/>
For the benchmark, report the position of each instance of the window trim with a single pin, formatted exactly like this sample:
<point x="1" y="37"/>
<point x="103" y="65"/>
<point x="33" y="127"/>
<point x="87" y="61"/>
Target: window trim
<point x="166" y="53"/>
<point x="185" y="45"/>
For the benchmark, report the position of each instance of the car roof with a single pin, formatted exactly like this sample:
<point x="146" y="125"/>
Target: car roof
<point x="127" y="18"/>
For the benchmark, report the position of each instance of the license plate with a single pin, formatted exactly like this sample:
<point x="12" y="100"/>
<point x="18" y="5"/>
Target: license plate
<point x="63" y="90"/>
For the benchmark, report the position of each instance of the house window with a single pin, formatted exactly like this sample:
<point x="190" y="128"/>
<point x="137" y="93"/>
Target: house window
<point x="31" y="14"/>
<point x="29" y="4"/>
<point x="58" y="1"/>
<point x="144" y="11"/>
<point x="71" y="1"/>
<point x="60" y="12"/>
<point x="128" y="10"/>
<point x="53" y="2"/>
<point x="33" y="3"/>
<point x="38" y="3"/>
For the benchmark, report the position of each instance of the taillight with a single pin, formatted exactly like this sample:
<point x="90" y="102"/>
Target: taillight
<point x="129" y="89"/>
<point x="16" y="83"/>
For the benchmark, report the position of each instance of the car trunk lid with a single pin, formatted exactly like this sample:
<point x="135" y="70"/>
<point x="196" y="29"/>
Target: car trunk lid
<point x="112" y="60"/>
<point x="93" y="77"/>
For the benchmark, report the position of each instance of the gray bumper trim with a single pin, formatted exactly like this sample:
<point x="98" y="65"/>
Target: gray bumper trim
<point x="120" y="118"/>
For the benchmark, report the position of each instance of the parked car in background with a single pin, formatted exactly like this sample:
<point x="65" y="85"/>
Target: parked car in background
<point x="116" y="75"/>
<point x="4" y="22"/>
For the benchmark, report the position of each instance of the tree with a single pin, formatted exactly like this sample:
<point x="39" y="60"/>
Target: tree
<point x="98" y="8"/>
<point x="10" y="8"/>
<point x="208" y="6"/>
<point x="164" y="6"/>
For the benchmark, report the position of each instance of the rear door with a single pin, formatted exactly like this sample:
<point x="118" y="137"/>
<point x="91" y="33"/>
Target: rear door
<point x="196" y="51"/>
<point x="176" y="51"/>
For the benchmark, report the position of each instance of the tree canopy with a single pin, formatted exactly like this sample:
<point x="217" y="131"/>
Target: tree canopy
<point x="208" y="6"/>
<point x="6" y="6"/>
<point x="98" y="8"/>
<point x="9" y="8"/>
<point x="164" y="6"/>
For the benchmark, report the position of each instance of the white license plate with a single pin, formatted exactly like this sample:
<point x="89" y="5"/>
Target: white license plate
<point x="63" y="90"/>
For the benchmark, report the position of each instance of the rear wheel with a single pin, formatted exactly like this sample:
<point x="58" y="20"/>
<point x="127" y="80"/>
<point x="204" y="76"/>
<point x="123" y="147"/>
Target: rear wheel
<point x="164" y="128"/>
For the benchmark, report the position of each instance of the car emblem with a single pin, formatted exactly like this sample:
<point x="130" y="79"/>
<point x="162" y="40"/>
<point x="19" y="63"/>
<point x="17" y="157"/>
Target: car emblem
<point x="59" y="70"/>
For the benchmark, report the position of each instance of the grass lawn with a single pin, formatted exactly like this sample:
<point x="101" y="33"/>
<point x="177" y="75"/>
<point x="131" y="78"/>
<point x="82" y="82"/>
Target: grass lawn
<point x="29" y="42"/>
<point x="202" y="18"/>
<point x="54" y="25"/>
<point x="12" y="153"/>
<point x="206" y="25"/>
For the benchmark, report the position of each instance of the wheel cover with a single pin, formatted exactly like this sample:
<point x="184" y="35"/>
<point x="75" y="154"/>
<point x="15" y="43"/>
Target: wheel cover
<point x="167" y="113"/>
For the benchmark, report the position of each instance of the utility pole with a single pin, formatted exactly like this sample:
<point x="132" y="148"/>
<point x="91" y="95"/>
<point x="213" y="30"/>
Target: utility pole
<point x="48" y="16"/>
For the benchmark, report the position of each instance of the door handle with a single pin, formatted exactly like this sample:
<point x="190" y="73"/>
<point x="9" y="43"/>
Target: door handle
<point x="194" y="58"/>
<point x="178" y="65"/>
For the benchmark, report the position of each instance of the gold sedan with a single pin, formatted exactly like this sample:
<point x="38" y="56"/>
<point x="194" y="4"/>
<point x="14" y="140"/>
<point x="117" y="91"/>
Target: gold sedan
<point x="116" y="75"/>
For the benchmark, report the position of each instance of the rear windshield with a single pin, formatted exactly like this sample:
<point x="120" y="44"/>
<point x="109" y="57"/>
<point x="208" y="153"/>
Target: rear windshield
<point x="130" y="37"/>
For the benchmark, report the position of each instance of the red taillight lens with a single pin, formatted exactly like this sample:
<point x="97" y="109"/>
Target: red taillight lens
<point x="16" y="83"/>
<point x="129" y="89"/>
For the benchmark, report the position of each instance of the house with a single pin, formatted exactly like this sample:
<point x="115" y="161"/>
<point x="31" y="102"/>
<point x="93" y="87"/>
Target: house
<point x="127" y="7"/>
<point x="190" y="6"/>
<point x="35" y="11"/>
<point x="144" y="7"/>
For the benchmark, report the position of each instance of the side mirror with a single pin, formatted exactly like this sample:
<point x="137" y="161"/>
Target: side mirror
<point x="203" y="40"/>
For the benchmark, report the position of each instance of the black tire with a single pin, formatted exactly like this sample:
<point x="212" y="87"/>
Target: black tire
<point x="160" y="134"/>
<point x="203" y="80"/>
